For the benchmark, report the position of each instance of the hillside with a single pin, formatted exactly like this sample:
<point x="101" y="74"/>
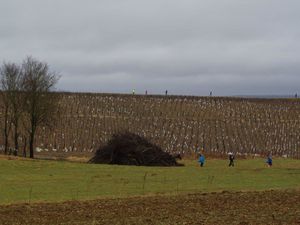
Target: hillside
<point x="177" y="123"/>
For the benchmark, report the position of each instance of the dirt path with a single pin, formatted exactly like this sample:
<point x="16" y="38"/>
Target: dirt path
<point x="271" y="207"/>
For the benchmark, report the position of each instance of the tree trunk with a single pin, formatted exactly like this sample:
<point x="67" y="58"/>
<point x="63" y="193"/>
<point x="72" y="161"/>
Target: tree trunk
<point x="6" y="144"/>
<point x="24" y="148"/>
<point x="16" y="139"/>
<point x="31" y="140"/>
<point x="6" y="132"/>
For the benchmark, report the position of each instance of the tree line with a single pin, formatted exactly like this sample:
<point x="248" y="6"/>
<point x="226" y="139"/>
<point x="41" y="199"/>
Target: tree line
<point x="28" y="102"/>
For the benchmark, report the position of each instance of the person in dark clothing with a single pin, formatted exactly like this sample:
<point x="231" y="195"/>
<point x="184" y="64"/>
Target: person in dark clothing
<point x="269" y="160"/>
<point x="231" y="159"/>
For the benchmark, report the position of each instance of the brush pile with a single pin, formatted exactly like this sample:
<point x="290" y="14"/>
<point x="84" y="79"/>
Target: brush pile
<point x="131" y="149"/>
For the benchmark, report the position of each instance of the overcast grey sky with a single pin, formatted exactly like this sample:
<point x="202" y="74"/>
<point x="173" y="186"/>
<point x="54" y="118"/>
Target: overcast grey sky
<point x="231" y="47"/>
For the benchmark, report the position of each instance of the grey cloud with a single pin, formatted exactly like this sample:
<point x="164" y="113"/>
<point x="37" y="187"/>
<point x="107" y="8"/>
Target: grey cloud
<point x="189" y="47"/>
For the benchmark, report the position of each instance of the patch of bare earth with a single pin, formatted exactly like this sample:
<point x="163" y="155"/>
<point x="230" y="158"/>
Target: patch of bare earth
<point x="269" y="207"/>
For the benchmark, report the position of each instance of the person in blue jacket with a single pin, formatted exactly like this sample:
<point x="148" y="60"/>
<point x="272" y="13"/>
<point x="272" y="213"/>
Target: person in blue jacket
<point x="201" y="160"/>
<point x="269" y="160"/>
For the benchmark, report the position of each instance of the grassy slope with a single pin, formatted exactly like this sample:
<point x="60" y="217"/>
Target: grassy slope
<point x="38" y="180"/>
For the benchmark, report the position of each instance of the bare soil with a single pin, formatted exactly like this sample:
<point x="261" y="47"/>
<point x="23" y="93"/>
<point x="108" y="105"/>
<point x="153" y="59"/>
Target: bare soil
<point x="269" y="207"/>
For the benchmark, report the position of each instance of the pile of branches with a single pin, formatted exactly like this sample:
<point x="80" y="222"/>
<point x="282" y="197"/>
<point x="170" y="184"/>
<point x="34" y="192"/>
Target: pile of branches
<point x="131" y="149"/>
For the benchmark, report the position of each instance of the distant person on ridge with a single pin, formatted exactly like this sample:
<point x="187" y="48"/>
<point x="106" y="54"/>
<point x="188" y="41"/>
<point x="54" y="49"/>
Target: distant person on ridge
<point x="231" y="159"/>
<point x="133" y="91"/>
<point x="201" y="160"/>
<point x="166" y="92"/>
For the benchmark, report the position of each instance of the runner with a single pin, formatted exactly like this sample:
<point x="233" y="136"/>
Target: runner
<point x="231" y="159"/>
<point x="201" y="160"/>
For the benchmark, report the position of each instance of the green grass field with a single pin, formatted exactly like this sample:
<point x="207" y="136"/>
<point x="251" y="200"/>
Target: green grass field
<point x="52" y="181"/>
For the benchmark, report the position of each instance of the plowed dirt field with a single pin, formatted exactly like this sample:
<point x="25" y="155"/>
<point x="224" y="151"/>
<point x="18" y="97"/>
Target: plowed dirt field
<point x="268" y="207"/>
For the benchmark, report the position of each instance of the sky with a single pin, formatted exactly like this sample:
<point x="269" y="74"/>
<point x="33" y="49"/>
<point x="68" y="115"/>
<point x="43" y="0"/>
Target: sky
<point x="190" y="47"/>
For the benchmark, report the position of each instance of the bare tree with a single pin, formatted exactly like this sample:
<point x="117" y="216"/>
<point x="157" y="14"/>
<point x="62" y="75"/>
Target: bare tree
<point x="40" y="103"/>
<point x="12" y="99"/>
<point x="15" y="98"/>
<point x="6" y="121"/>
